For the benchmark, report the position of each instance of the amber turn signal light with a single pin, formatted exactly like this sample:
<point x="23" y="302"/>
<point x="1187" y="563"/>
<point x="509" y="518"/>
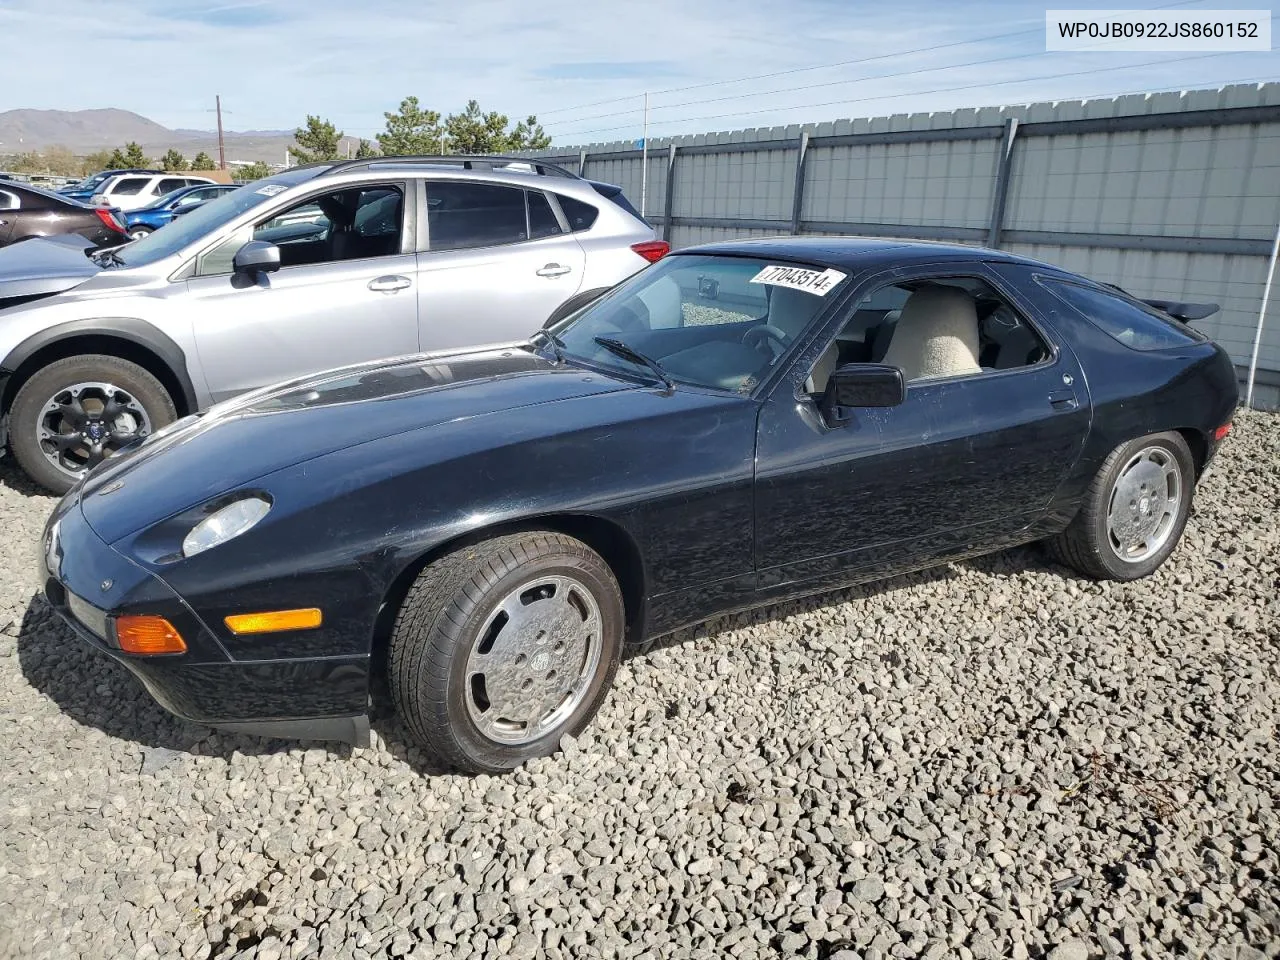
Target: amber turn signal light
<point x="274" y="621"/>
<point x="148" y="635"/>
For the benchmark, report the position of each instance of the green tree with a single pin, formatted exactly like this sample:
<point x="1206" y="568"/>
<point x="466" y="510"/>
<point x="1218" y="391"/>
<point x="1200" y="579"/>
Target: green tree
<point x="411" y="131"/>
<point x="174" y="161"/>
<point x="202" y="161"/>
<point x="117" y="160"/>
<point x="365" y="150"/>
<point x="318" y="141"/>
<point x="252" y="171"/>
<point x="474" y="131"/>
<point x="99" y="160"/>
<point x="133" y="155"/>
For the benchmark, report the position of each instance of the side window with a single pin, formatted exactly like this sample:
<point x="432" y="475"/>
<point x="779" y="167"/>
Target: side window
<point x="581" y="216"/>
<point x="542" y="219"/>
<point x="462" y="215"/>
<point x="1136" y="326"/>
<point x="934" y="328"/>
<point x="353" y="224"/>
<point x="168" y="185"/>
<point x="129" y="186"/>
<point x="9" y="201"/>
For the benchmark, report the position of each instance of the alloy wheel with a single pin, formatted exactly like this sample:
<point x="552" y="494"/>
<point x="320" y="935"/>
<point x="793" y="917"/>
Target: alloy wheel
<point x="84" y="423"/>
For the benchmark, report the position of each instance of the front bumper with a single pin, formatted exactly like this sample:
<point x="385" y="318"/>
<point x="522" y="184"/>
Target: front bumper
<point x="87" y="582"/>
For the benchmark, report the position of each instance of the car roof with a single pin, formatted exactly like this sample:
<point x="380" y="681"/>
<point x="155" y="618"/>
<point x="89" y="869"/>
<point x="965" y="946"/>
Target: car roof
<point x="853" y="253"/>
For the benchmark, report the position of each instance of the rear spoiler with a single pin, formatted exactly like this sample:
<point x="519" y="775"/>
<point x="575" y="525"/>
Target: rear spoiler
<point x="1186" y="312"/>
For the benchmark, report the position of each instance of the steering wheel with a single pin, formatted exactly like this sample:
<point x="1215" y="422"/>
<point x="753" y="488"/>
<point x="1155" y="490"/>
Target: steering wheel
<point x="757" y="337"/>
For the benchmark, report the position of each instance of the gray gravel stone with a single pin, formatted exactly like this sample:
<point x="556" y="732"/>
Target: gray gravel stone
<point x="995" y="758"/>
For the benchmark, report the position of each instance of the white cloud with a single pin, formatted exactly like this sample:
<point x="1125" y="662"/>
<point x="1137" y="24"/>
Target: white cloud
<point x="275" y="62"/>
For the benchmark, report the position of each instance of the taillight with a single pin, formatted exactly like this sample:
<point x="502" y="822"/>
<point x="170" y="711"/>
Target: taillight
<point x="652" y="250"/>
<point x="108" y="220"/>
<point x="1222" y="431"/>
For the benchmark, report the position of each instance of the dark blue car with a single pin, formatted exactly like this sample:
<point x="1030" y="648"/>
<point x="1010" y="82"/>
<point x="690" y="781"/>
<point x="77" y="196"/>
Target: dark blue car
<point x="739" y="424"/>
<point x="148" y="219"/>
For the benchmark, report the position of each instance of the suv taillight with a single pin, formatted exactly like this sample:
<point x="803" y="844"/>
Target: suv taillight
<point x="108" y="220"/>
<point x="652" y="250"/>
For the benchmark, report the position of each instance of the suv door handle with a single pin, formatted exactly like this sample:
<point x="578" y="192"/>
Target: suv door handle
<point x="554" y="270"/>
<point x="389" y="284"/>
<point x="1063" y="399"/>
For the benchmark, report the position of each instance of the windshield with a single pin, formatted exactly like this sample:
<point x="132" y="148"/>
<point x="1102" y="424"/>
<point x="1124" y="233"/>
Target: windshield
<point x="88" y="183"/>
<point x="166" y="198"/>
<point x="708" y="320"/>
<point x="208" y="217"/>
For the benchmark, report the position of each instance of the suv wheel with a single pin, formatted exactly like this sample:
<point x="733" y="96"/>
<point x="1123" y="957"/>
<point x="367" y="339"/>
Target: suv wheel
<point x="73" y="413"/>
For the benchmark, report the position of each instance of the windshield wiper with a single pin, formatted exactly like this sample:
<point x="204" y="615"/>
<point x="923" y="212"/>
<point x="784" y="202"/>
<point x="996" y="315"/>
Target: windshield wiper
<point x="635" y="356"/>
<point x="557" y="345"/>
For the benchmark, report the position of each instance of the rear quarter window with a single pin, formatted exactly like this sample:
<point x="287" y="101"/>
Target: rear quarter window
<point x="1137" y="327"/>
<point x="581" y="216"/>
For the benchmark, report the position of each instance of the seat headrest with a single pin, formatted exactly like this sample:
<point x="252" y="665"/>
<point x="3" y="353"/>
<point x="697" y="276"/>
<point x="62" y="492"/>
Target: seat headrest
<point x="936" y="335"/>
<point x="791" y="310"/>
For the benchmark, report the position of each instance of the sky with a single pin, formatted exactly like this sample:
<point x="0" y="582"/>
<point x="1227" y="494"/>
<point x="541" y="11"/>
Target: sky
<point x="275" y="61"/>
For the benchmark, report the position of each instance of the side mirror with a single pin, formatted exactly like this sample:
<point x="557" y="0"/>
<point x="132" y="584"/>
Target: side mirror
<point x="861" y="385"/>
<point x="257" y="256"/>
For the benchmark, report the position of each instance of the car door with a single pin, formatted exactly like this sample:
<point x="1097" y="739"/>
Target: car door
<point x="963" y="465"/>
<point x="498" y="261"/>
<point x="344" y="293"/>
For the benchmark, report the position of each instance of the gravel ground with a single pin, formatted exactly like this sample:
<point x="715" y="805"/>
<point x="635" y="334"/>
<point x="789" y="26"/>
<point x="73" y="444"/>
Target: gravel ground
<point x="991" y="759"/>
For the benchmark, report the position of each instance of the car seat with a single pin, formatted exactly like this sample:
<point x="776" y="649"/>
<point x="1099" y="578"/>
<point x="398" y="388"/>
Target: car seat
<point x="936" y="335"/>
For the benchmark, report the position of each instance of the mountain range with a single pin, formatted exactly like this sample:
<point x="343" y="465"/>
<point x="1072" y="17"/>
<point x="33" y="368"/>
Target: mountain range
<point x="84" y="131"/>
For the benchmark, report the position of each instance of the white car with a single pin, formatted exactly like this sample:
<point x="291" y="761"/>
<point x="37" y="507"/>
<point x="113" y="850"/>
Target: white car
<point x="130" y="191"/>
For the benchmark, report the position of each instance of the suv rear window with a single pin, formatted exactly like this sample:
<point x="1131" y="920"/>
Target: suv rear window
<point x="580" y="215"/>
<point x="130" y="186"/>
<point x="1136" y="326"/>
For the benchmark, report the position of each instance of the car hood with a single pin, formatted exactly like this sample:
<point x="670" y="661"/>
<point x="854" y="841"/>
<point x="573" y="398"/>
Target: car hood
<point x="44" y="265"/>
<point x="259" y="433"/>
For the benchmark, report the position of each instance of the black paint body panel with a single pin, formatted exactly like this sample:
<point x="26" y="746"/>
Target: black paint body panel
<point x="721" y="500"/>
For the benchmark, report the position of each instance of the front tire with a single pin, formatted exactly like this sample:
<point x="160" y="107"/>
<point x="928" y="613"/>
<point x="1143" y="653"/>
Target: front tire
<point x="75" y="412"/>
<point x="1134" y="512"/>
<point x="503" y="647"/>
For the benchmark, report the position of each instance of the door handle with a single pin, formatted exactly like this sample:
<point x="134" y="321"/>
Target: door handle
<point x="1063" y="399"/>
<point x="554" y="270"/>
<point x="389" y="284"/>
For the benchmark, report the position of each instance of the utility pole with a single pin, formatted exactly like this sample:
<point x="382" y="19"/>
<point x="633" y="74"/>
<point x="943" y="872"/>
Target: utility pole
<point x="222" y="149"/>
<point x="442" y="143"/>
<point x="644" y="157"/>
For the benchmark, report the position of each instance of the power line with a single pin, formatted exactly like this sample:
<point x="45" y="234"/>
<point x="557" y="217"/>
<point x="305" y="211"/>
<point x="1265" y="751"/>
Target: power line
<point x="783" y="73"/>
<point x="821" y="66"/>
<point x="896" y="96"/>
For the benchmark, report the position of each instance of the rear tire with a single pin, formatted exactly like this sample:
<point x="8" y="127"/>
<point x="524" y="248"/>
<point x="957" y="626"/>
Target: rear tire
<point x="144" y="407"/>
<point x="503" y="647"/>
<point x="137" y="233"/>
<point x="1134" y="511"/>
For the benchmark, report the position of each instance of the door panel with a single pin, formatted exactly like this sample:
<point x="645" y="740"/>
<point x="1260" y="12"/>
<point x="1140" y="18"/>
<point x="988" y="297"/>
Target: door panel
<point x="494" y="294"/>
<point x="302" y="319"/>
<point x="961" y="466"/>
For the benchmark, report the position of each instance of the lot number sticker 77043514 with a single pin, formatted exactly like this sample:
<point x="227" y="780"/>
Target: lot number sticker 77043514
<point x="819" y="282"/>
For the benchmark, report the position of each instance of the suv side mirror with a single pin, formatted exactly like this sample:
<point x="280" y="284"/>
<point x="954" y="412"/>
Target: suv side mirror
<point x="256" y="256"/>
<point x="861" y="385"/>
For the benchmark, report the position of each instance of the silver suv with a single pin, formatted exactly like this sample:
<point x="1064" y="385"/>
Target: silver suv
<point x="313" y="268"/>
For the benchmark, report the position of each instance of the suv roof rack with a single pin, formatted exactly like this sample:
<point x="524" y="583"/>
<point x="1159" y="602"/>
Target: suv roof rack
<point x="540" y="167"/>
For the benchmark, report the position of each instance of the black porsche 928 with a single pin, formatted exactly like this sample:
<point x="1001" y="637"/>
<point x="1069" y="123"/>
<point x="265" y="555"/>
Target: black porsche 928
<point x="740" y="423"/>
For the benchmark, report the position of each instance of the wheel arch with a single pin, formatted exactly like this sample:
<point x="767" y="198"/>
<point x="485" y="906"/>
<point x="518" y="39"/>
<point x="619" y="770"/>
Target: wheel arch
<point x="606" y="537"/>
<point x="1199" y="445"/>
<point x="127" y="338"/>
